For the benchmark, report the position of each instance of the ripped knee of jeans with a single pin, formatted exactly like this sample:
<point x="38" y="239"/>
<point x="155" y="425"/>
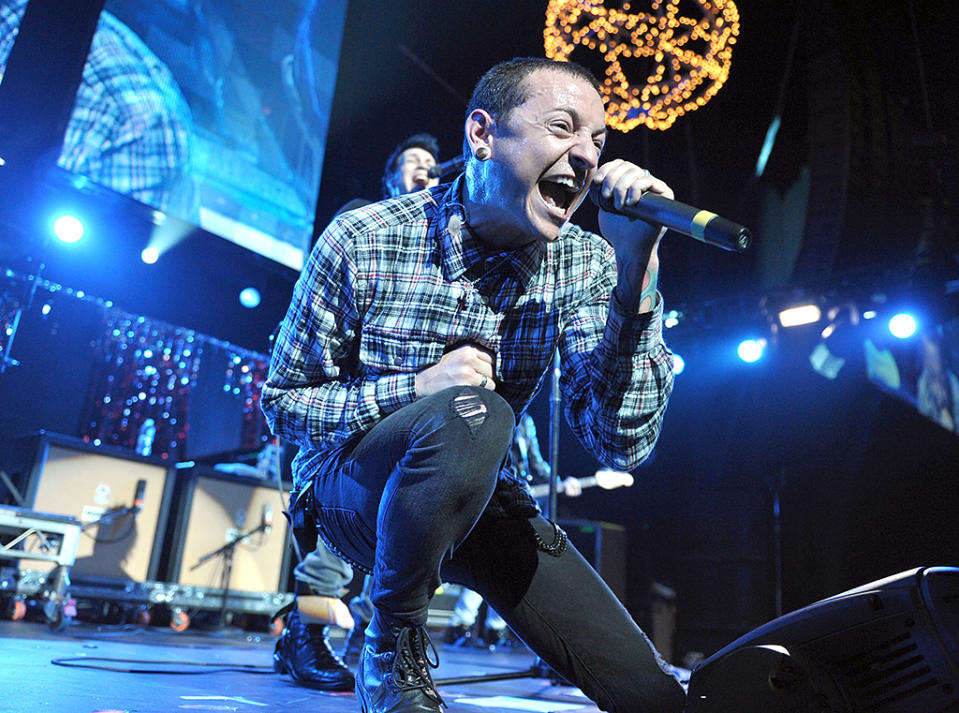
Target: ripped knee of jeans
<point x="470" y="407"/>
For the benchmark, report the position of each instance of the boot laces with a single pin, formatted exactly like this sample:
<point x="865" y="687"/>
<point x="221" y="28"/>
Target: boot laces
<point x="320" y="645"/>
<point x="415" y="656"/>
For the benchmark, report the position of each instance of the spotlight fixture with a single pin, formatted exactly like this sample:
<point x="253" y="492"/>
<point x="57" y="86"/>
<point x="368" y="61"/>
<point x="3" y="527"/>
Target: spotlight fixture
<point x="671" y="318"/>
<point x="250" y="297"/>
<point x="824" y="362"/>
<point x="679" y="364"/>
<point x="902" y="325"/>
<point x="831" y="354"/>
<point x="68" y="228"/>
<point x="799" y="315"/>
<point x="751" y="350"/>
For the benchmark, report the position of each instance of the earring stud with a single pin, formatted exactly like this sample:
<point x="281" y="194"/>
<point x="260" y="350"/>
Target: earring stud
<point x="482" y="153"/>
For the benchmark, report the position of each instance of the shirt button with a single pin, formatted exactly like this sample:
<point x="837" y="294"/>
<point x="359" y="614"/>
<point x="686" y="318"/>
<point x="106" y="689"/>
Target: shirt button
<point x="397" y="361"/>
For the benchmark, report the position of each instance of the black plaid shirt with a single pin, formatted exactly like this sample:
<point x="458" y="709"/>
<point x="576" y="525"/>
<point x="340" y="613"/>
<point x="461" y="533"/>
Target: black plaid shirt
<point x="390" y="287"/>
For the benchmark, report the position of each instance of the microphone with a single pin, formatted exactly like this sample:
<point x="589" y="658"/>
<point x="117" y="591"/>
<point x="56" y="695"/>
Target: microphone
<point x="138" y="496"/>
<point x="454" y="165"/>
<point x="266" y="520"/>
<point x="702" y="225"/>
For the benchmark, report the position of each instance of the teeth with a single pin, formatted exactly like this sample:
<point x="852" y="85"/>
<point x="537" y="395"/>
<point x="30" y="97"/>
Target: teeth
<point x="568" y="183"/>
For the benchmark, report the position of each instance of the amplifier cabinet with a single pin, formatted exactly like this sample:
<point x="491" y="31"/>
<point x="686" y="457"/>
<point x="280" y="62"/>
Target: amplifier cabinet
<point x="603" y="544"/>
<point x="213" y="509"/>
<point x="121" y="539"/>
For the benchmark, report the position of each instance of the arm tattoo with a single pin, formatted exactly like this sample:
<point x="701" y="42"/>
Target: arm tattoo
<point x="630" y="275"/>
<point x="647" y="299"/>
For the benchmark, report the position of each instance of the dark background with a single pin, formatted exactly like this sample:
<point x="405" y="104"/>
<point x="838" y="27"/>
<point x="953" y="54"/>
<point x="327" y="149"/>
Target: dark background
<point x="858" y="199"/>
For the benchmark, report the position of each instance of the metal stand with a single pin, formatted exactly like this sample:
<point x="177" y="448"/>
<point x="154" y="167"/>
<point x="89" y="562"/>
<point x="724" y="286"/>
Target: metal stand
<point x="775" y="483"/>
<point x="227" y="551"/>
<point x="539" y="669"/>
<point x="59" y="537"/>
<point x="10" y="332"/>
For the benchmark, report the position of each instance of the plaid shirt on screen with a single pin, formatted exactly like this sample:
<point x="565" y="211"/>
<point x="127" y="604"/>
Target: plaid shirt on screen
<point x="390" y="287"/>
<point x="131" y="128"/>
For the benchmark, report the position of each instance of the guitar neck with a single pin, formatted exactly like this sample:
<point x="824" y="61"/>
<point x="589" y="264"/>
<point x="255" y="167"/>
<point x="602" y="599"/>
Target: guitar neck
<point x="539" y="491"/>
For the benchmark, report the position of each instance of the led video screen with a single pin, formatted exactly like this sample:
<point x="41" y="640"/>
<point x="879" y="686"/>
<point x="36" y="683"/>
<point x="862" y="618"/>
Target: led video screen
<point x="922" y="371"/>
<point x="214" y="111"/>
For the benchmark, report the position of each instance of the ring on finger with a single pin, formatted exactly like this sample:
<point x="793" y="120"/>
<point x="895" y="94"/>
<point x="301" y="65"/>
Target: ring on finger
<point x="483" y="382"/>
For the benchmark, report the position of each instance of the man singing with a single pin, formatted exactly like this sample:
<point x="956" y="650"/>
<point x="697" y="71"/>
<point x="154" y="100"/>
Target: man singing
<point x="420" y="330"/>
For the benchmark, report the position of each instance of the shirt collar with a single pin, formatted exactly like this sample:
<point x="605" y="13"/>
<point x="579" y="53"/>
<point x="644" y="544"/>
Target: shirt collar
<point x="461" y="250"/>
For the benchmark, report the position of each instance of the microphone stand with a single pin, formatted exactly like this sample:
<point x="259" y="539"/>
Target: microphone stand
<point x="227" y="552"/>
<point x="6" y="361"/>
<point x="110" y="516"/>
<point x="538" y="669"/>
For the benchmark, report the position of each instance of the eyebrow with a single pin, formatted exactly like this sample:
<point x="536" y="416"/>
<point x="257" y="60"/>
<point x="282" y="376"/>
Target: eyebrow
<point x="579" y="120"/>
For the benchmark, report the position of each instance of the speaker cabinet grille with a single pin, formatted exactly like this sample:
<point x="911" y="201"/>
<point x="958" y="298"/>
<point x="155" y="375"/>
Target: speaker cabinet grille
<point x="71" y="477"/>
<point x="885" y="673"/>
<point x="213" y="510"/>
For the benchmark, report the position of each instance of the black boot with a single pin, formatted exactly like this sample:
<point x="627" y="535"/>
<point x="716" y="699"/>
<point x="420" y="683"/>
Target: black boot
<point x="393" y="675"/>
<point x="304" y="652"/>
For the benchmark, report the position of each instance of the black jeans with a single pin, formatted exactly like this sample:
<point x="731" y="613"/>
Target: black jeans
<point x="409" y="502"/>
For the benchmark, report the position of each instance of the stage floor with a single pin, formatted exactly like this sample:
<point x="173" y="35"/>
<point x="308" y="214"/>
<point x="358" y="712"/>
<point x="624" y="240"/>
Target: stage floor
<point x="96" y="663"/>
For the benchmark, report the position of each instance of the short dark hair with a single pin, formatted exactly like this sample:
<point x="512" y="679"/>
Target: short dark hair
<point x="427" y="142"/>
<point x="503" y="88"/>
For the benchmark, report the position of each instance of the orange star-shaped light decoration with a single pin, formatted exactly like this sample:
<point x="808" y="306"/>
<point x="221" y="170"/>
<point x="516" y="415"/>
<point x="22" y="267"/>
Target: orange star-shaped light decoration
<point x="685" y="57"/>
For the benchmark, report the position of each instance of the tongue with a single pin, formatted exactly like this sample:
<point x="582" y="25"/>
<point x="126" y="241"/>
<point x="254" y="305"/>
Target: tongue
<point x="553" y="193"/>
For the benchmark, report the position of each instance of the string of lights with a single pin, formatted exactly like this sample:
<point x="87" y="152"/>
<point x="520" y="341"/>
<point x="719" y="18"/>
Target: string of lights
<point x="150" y="370"/>
<point x="686" y="58"/>
<point x="146" y="369"/>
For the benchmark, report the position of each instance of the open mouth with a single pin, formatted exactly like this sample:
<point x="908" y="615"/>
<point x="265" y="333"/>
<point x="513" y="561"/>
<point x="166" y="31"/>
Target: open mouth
<point x="560" y="193"/>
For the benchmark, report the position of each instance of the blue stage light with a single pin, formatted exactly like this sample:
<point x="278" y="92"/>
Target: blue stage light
<point x="679" y="364"/>
<point x="902" y="325"/>
<point x="68" y="228"/>
<point x="149" y="255"/>
<point x="250" y="297"/>
<point x="751" y="350"/>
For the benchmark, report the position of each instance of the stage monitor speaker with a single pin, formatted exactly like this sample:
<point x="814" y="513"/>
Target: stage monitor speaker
<point x="603" y="544"/>
<point x="212" y="510"/>
<point x="891" y="646"/>
<point x="130" y="495"/>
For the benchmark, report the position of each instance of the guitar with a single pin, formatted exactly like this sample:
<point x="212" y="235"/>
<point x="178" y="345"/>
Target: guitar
<point x="606" y="479"/>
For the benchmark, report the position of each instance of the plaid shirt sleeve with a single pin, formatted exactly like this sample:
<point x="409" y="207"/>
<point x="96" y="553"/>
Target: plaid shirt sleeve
<point x="317" y="395"/>
<point x="617" y="375"/>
